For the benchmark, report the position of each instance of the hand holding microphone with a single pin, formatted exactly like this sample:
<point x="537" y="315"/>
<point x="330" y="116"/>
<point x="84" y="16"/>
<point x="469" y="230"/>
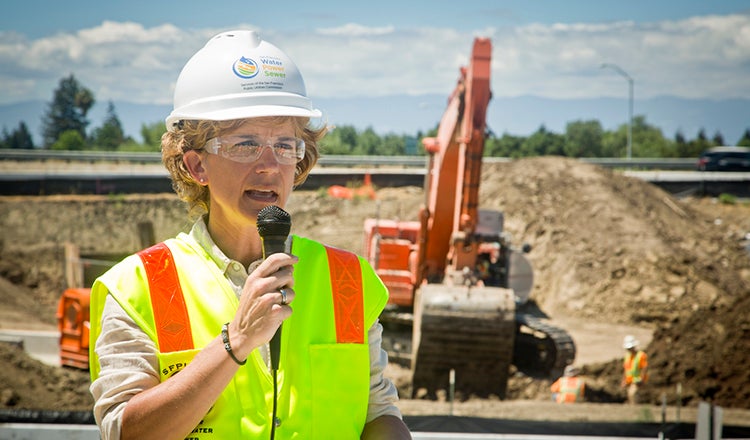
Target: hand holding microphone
<point x="265" y="300"/>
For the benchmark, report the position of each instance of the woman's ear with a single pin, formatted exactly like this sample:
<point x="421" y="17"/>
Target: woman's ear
<point x="194" y="163"/>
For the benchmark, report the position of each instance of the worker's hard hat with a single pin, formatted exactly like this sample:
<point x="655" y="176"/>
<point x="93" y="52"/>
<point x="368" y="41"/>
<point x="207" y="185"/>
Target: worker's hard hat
<point x="629" y="342"/>
<point x="238" y="75"/>
<point x="571" y="371"/>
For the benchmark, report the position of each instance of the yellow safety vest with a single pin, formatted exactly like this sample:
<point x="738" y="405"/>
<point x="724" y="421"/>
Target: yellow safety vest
<point x="570" y="389"/>
<point x="632" y="367"/>
<point x="324" y="369"/>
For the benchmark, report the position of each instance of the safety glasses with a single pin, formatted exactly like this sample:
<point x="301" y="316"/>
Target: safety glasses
<point x="287" y="150"/>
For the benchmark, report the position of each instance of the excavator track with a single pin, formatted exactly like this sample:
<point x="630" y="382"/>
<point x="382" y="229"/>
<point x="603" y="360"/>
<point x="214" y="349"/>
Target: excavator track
<point x="542" y="348"/>
<point x="539" y="349"/>
<point x="469" y="331"/>
<point x="397" y="333"/>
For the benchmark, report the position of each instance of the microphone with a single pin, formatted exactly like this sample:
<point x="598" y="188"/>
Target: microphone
<point x="274" y="225"/>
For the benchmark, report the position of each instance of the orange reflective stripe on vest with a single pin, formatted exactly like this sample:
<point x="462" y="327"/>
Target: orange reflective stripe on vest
<point x="570" y="390"/>
<point x="170" y="313"/>
<point x="173" y="322"/>
<point x="346" y="284"/>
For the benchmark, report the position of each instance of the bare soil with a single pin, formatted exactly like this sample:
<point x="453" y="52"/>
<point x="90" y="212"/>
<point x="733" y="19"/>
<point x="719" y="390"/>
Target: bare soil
<point x="612" y="256"/>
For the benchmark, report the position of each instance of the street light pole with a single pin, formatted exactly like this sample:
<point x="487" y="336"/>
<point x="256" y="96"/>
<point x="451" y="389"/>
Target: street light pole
<point x="619" y="70"/>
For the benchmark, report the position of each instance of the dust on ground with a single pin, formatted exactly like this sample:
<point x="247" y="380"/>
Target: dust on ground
<point x="611" y="254"/>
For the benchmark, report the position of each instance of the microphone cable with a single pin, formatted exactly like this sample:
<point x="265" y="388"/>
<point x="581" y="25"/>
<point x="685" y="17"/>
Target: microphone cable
<point x="275" y="403"/>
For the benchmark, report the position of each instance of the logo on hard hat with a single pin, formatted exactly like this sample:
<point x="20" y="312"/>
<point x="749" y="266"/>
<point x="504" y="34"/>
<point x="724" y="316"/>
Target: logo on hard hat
<point x="245" y="68"/>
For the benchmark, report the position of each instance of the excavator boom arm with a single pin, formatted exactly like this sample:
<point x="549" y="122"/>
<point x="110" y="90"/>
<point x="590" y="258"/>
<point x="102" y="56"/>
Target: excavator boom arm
<point x="452" y="183"/>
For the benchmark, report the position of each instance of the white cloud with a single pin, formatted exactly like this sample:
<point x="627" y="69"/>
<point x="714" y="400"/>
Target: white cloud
<point x="356" y="30"/>
<point x="695" y="58"/>
<point x="117" y="61"/>
<point x="698" y="57"/>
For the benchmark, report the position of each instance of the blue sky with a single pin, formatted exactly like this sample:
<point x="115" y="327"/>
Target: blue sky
<point x="36" y="18"/>
<point x="133" y="50"/>
<point x="551" y="48"/>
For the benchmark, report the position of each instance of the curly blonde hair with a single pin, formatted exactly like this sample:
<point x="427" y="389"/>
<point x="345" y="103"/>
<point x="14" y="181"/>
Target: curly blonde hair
<point x="193" y="135"/>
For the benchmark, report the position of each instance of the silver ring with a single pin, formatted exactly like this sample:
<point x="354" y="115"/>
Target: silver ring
<point x="282" y="291"/>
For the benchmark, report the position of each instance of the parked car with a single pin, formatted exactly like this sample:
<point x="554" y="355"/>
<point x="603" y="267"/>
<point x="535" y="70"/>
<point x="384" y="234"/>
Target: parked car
<point x="724" y="159"/>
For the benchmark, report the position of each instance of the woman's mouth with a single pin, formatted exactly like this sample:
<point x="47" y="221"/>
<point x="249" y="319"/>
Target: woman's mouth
<point x="263" y="196"/>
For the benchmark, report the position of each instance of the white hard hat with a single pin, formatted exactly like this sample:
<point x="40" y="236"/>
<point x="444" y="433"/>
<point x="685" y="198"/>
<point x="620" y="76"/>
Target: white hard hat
<point x="629" y="342"/>
<point x="237" y="75"/>
<point x="571" y="371"/>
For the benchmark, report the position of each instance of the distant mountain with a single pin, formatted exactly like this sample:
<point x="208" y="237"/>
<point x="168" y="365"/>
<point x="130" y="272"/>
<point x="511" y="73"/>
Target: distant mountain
<point x="404" y="114"/>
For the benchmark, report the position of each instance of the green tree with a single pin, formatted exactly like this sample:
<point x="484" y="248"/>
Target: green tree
<point x="615" y="143"/>
<point x="745" y="139"/>
<point x="718" y="139"/>
<point x="543" y="143"/>
<point x="583" y="139"/>
<point x="19" y="138"/>
<point x="648" y="140"/>
<point x="5" y="138"/>
<point x="69" y="140"/>
<point x="368" y="143"/>
<point x="505" y="146"/>
<point x="152" y="133"/>
<point x="67" y="111"/>
<point x="332" y="145"/>
<point x="110" y="135"/>
<point x="340" y="140"/>
<point x="348" y="135"/>
<point x="682" y="147"/>
<point x="393" y="145"/>
<point x="701" y="142"/>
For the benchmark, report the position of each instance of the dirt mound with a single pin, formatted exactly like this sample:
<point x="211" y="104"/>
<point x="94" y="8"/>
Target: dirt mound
<point x="614" y="248"/>
<point x="29" y="384"/>
<point x="605" y="248"/>
<point x="609" y="247"/>
<point x="708" y="352"/>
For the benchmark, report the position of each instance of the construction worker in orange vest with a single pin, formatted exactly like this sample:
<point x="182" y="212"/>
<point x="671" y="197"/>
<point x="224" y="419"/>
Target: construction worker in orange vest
<point x="635" y="365"/>
<point x="570" y="387"/>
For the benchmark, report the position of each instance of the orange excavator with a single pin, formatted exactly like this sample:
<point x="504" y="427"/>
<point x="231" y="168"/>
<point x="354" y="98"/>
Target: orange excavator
<point x="73" y="324"/>
<point x="457" y="285"/>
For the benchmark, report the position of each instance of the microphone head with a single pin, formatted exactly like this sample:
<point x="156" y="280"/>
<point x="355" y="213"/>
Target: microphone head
<point x="273" y="221"/>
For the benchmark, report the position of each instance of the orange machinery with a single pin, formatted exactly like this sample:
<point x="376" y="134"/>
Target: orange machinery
<point x="453" y="277"/>
<point x="73" y="324"/>
<point x="443" y="241"/>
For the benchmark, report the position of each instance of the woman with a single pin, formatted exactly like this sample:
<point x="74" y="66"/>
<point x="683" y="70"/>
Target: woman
<point x="206" y="304"/>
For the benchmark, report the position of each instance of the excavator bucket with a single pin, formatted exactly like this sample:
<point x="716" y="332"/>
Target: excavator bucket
<point x="466" y="329"/>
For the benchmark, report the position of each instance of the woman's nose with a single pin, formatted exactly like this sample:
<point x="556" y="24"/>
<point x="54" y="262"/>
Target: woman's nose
<point x="267" y="156"/>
